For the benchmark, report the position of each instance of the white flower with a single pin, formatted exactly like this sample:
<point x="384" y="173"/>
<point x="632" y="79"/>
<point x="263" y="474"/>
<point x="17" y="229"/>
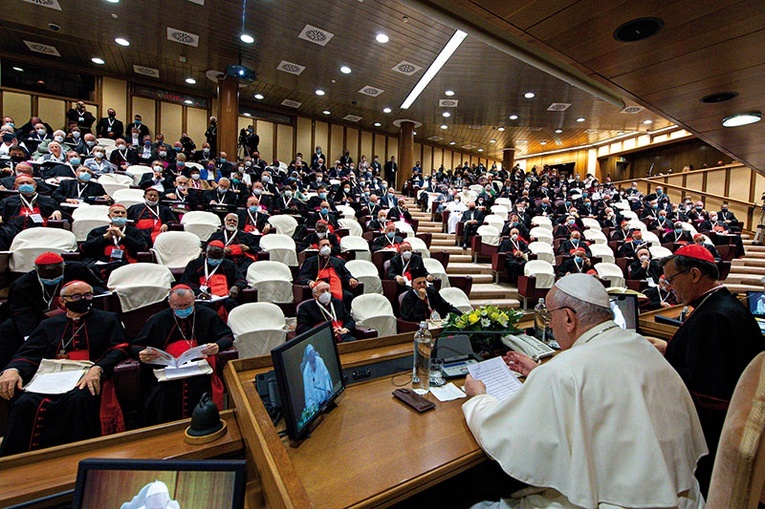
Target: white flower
<point x="485" y="322"/>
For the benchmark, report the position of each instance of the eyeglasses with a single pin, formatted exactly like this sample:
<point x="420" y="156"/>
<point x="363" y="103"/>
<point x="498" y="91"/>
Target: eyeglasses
<point x="671" y="278"/>
<point x="79" y="296"/>
<point x="550" y="310"/>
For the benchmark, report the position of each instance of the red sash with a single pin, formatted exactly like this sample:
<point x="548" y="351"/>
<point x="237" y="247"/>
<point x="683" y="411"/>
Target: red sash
<point x="335" y="284"/>
<point x="110" y="412"/>
<point x="177" y="348"/>
<point x="25" y="213"/>
<point x="217" y="284"/>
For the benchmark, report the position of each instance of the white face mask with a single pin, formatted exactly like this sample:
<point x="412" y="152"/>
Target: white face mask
<point x="406" y="255"/>
<point x="321" y="235"/>
<point x="325" y="298"/>
<point x="325" y="251"/>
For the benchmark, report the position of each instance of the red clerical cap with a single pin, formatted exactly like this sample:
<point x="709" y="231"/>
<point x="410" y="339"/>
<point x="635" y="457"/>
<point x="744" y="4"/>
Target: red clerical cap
<point x="49" y="258"/>
<point x="117" y="206"/>
<point x="696" y="252"/>
<point x="70" y="283"/>
<point x="180" y="287"/>
<point x="216" y="243"/>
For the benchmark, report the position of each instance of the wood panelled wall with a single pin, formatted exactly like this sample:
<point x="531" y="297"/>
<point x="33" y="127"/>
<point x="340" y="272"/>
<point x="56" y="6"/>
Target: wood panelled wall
<point x="676" y="156"/>
<point x="578" y="157"/>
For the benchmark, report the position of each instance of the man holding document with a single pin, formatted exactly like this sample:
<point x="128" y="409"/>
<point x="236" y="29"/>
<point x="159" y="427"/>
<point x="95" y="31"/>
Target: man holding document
<point x="606" y="421"/>
<point x="69" y="398"/>
<point x="185" y="332"/>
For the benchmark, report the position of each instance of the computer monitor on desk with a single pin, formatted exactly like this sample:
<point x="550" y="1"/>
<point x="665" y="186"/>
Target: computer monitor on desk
<point x="625" y="308"/>
<point x="309" y="378"/>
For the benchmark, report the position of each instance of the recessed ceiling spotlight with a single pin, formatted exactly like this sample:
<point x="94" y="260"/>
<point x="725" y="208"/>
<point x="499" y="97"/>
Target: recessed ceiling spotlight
<point x="326" y="112"/>
<point x="501" y="128"/>
<point x="18" y="69"/>
<point x="648" y="122"/>
<point x="345" y="69"/>
<point x="320" y="91"/>
<point x="558" y="131"/>
<point x="387" y="110"/>
<point x="122" y="41"/>
<point x="492" y="140"/>
<point x="543" y="143"/>
<point x="619" y="132"/>
<point x="377" y="124"/>
<point x="191" y="81"/>
<point x="247" y="38"/>
<point x="513" y="117"/>
<point x="113" y="1"/>
<point x="99" y="61"/>
<point x="259" y="97"/>
<point x="382" y="38"/>
<point x="480" y="150"/>
<point x="446" y="114"/>
<point x="719" y="97"/>
<point x="529" y="95"/>
<point x="638" y="29"/>
<point x="444" y="126"/>
<point x="452" y="143"/>
<point x="188" y="101"/>
<point x="742" y="119"/>
<point x="414" y="133"/>
<point x="581" y="119"/>
<point x="449" y="93"/>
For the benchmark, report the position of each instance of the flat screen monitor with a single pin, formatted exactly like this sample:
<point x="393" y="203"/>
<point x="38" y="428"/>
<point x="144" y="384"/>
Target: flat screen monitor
<point x="166" y="484"/>
<point x="756" y="301"/>
<point x="625" y="308"/>
<point x="308" y="376"/>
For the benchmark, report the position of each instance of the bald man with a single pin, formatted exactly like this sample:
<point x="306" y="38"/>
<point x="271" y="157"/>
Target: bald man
<point x="117" y="243"/>
<point x="324" y="307"/>
<point x="544" y="435"/>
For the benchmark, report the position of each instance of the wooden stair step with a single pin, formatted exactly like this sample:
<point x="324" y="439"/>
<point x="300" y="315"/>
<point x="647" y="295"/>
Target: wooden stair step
<point x="460" y="258"/>
<point x="467" y="268"/>
<point x="500" y="303"/>
<point x="477" y="278"/>
<point x="743" y="288"/>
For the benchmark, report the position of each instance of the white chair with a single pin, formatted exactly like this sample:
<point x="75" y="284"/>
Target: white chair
<point x="346" y="211"/>
<point x="419" y="246"/>
<point x="621" y="205"/>
<point x="128" y="197"/>
<point x="591" y="223"/>
<point x="30" y="243"/>
<point x="659" y="252"/>
<point x="505" y="202"/>
<point x="373" y="310"/>
<point x="489" y="235"/>
<point x="542" y="270"/>
<point x="365" y="272"/>
<point x="84" y="219"/>
<point x="542" y="222"/>
<point x="191" y="165"/>
<point x="541" y="234"/>
<point x="201" y="223"/>
<point x="496" y="221"/>
<point x="437" y="270"/>
<point x="273" y="280"/>
<point x="258" y="327"/>
<point x="281" y="248"/>
<point x="176" y="249"/>
<point x="359" y="245"/>
<point x="629" y="214"/>
<point x="652" y="238"/>
<point x="284" y="224"/>
<point x="544" y="251"/>
<point x="113" y="182"/>
<point x="139" y="285"/>
<point x="603" y="252"/>
<point x="637" y="223"/>
<point x="690" y="228"/>
<point x="353" y="226"/>
<point x="596" y="237"/>
<point x="476" y="188"/>
<point x="106" y="142"/>
<point x="501" y="211"/>
<point x="404" y="227"/>
<point x="137" y="171"/>
<point x="457" y="298"/>
<point x="611" y="272"/>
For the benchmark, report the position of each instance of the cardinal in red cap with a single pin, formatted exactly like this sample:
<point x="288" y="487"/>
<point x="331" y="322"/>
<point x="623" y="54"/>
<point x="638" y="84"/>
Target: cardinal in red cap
<point x="49" y="258"/>
<point x="388" y="240"/>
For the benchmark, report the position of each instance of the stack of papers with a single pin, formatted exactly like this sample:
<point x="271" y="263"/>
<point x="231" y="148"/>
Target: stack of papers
<point x="497" y="377"/>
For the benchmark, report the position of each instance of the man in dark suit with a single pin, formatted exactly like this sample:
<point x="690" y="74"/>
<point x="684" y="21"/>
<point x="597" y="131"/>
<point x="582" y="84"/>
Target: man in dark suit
<point x="253" y="219"/>
<point x="400" y="212"/>
<point x="123" y="156"/>
<point x="390" y="171"/>
<point x="81" y="189"/>
<point x="325" y="267"/>
<point x="221" y="196"/>
<point x="137" y="123"/>
<point x="406" y="263"/>
<point x="109" y="126"/>
<point x="575" y="241"/>
<point x="388" y="240"/>
<point x="472" y="218"/>
<point x="240" y="247"/>
<point x="213" y="275"/>
<point x="517" y="254"/>
<point x="632" y="244"/>
<point x="578" y="263"/>
<point x="115" y="244"/>
<point x="322" y="232"/>
<point x="81" y="116"/>
<point x="325" y="308"/>
<point x="678" y="235"/>
<point x="419" y="303"/>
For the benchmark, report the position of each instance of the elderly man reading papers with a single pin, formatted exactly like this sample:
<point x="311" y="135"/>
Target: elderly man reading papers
<point x="606" y="423"/>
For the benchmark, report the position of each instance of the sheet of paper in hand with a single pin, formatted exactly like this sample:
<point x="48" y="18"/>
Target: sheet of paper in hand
<point x="57" y="376"/>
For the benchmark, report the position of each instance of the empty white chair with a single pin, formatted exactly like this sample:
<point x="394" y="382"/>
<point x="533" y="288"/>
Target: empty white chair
<point x="284" y="224"/>
<point x="500" y="210"/>
<point x="437" y="270"/>
<point x="621" y="205"/>
<point x="113" y="182"/>
<point x="542" y="222"/>
<point x="281" y="248"/>
<point x="496" y="221"/>
<point x="258" y="327"/>
<point x="659" y="252"/>
<point x="346" y="211"/>
<point x="541" y="234"/>
<point x="542" y="270"/>
<point x="595" y="237"/>
<point x="419" y="246"/>
<point x="404" y="227"/>
<point x="476" y="188"/>
<point x="139" y="285"/>
<point x="591" y="223"/>
<point x="365" y="272"/>
<point x="353" y="226"/>
<point x="30" y="243"/>
<point x="610" y="272"/>
<point x="637" y="223"/>
<point x="176" y="249"/>
<point x="489" y="234"/>
<point x="128" y="197"/>
<point x="85" y="219"/>
<point x="359" y="245"/>
<point x="652" y="238"/>
<point x="201" y="223"/>
<point x="544" y="251"/>
<point x="505" y="202"/>
<point x="603" y="252"/>
<point x="137" y="171"/>
<point x="629" y="214"/>
<point x="373" y="310"/>
<point x="457" y="298"/>
<point x="106" y="142"/>
<point x="273" y="280"/>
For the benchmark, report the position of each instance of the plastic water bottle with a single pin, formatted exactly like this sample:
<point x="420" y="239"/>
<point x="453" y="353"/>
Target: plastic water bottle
<point x="423" y="346"/>
<point x="541" y="321"/>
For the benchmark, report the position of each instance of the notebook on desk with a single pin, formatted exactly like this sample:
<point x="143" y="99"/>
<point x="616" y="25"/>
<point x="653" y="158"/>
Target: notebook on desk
<point x="457" y="354"/>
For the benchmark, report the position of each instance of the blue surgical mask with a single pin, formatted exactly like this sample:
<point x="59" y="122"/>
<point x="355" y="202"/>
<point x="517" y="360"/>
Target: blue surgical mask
<point x="52" y="282"/>
<point x="75" y="161"/>
<point x="571" y="222"/>
<point x="177" y="149"/>
<point x="391" y="234"/>
<point x="119" y="221"/>
<point x="235" y="181"/>
<point x="324" y="211"/>
<point x="26" y="188"/>
<point x="323" y="195"/>
<point x="222" y="159"/>
<point x="184" y="313"/>
<point x="254" y="208"/>
<point x="180" y="164"/>
<point x="84" y="176"/>
<point x="578" y="259"/>
<point x="214" y="262"/>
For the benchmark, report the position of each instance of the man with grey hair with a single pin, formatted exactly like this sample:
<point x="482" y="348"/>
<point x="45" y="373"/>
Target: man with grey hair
<point x="605" y="422"/>
<point x="324" y="307"/>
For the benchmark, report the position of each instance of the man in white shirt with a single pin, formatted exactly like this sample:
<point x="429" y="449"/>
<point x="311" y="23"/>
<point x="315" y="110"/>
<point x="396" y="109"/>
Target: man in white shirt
<point x="605" y="423"/>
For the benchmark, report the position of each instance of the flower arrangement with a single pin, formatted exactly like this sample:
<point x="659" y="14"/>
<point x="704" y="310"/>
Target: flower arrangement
<point x="485" y="325"/>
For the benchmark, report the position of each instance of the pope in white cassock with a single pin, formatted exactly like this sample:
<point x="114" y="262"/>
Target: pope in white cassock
<point x="606" y="423"/>
<point x="317" y="384"/>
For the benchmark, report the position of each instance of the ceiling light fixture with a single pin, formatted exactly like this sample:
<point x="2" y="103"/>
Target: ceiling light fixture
<point x="449" y="93"/>
<point x="382" y="38"/>
<point x="719" y="97"/>
<point x="387" y="110"/>
<point x="446" y="53"/>
<point x="492" y="140"/>
<point x="529" y="95"/>
<point x="345" y="69"/>
<point x="558" y="131"/>
<point x="452" y="143"/>
<point x="188" y="101"/>
<point x="113" y="1"/>
<point x="122" y="41"/>
<point x="446" y="114"/>
<point x="742" y="119"/>
<point x="501" y="128"/>
<point x="543" y="143"/>
<point x="377" y="124"/>
<point x="99" y="61"/>
<point x="18" y="69"/>
<point x="247" y="114"/>
<point x="326" y="112"/>
<point x="444" y="126"/>
<point x="247" y="38"/>
<point x="191" y="81"/>
<point x="581" y="119"/>
<point x="513" y="117"/>
<point x="414" y="133"/>
<point x="480" y="150"/>
<point x="259" y="97"/>
<point x="648" y="122"/>
<point x="320" y="92"/>
<point x="638" y="29"/>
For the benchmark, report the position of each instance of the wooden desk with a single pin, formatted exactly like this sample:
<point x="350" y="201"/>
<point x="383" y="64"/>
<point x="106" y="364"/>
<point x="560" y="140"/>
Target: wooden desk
<point x="370" y="451"/>
<point x="650" y="327"/>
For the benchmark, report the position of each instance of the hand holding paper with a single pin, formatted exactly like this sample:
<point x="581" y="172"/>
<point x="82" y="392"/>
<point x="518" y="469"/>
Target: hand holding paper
<point x="496" y="377"/>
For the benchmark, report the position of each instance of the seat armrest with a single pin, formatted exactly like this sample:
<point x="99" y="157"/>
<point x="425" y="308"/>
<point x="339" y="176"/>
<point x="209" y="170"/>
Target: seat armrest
<point x="248" y="295"/>
<point x="464" y="283"/>
<point x="527" y="285"/>
<point x="145" y="257"/>
<point x="405" y="326"/>
<point x="361" y="332"/>
<point x="301" y="292"/>
<point x="498" y="261"/>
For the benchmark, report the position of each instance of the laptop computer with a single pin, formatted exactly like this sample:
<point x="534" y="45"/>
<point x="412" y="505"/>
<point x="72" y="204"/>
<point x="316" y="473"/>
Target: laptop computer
<point x="457" y="353"/>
